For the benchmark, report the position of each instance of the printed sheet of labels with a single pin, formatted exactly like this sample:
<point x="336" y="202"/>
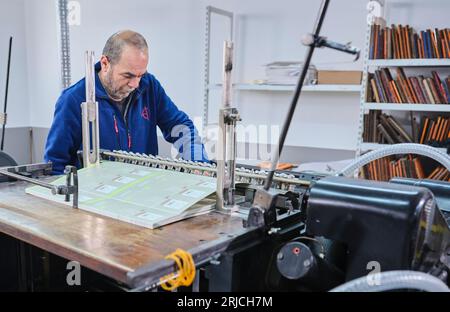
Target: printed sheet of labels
<point x="144" y="196"/>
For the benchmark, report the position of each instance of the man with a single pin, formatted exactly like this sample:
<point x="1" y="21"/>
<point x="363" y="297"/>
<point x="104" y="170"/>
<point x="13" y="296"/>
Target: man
<point x="131" y="104"/>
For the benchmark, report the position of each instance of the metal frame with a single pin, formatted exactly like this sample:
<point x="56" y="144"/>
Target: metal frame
<point x="364" y="87"/>
<point x="209" y="11"/>
<point x="64" y="42"/>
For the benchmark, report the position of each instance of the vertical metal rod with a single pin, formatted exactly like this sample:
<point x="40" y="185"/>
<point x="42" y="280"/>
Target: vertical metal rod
<point x="31" y="140"/>
<point x="220" y="163"/>
<point x="64" y="42"/>
<point x="224" y="159"/>
<point x="287" y="123"/>
<point x="6" y="93"/>
<point x="231" y="162"/>
<point x="90" y="126"/>
<point x="206" y="69"/>
<point x="228" y="66"/>
<point x="209" y="11"/>
<point x="231" y="120"/>
<point x="90" y="78"/>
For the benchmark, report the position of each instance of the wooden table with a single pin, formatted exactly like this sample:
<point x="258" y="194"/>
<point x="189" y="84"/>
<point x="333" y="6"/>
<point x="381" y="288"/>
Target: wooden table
<point x="110" y="247"/>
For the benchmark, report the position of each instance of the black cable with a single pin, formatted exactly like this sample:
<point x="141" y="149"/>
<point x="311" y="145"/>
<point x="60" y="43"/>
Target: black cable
<point x="6" y="92"/>
<point x="298" y="90"/>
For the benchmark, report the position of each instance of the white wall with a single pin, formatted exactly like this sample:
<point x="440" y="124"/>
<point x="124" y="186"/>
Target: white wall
<point x="43" y="60"/>
<point x="12" y="23"/>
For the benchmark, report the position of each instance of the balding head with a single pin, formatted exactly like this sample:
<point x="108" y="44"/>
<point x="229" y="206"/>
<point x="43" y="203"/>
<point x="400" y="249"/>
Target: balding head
<point x="123" y="63"/>
<point x="119" y="41"/>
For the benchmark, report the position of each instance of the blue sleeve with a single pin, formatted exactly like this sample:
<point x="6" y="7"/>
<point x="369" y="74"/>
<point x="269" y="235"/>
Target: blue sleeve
<point x="178" y="128"/>
<point x="64" y="138"/>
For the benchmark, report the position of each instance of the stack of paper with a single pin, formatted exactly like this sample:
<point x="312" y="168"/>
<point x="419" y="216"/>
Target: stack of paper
<point x="140" y="195"/>
<point x="288" y="73"/>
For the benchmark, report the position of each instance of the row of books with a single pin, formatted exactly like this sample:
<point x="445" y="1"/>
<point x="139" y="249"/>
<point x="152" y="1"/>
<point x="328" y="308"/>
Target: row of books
<point x="385" y="129"/>
<point x="387" y="168"/>
<point x="383" y="88"/>
<point x="435" y="131"/>
<point x="403" y="42"/>
<point x="440" y="173"/>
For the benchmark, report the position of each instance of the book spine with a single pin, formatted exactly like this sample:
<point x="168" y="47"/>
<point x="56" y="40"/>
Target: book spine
<point x="381" y="91"/>
<point x="428" y="91"/>
<point x="434" y="91"/>
<point x="374" y="90"/>
<point x="372" y="41"/>
<point x="446" y="91"/>
<point x="417" y="90"/>
<point x="423" y="129"/>
<point x="445" y="130"/>
<point x="439" y="88"/>
<point x="418" y="168"/>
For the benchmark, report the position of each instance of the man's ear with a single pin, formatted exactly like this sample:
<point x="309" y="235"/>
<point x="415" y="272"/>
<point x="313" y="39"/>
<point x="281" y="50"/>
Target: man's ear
<point x="104" y="62"/>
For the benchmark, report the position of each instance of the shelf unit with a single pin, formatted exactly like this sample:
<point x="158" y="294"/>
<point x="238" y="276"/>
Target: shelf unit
<point x="409" y="62"/>
<point x="370" y="65"/>
<point x="290" y="88"/>
<point x="406" y="107"/>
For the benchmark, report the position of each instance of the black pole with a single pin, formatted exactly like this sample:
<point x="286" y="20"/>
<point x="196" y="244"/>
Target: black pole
<point x="6" y="92"/>
<point x="298" y="90"/>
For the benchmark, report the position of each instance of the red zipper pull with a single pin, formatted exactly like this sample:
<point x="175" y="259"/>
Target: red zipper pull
<point x="129" y="140"/>
<point x="115" y="125"/>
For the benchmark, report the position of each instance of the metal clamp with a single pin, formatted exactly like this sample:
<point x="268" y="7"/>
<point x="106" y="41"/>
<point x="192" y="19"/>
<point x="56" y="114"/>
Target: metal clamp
<point x="66" y="190"/>
<point x="72" y="177"/>
<point x="320" y="42"/>
<point x="262" y="213"/>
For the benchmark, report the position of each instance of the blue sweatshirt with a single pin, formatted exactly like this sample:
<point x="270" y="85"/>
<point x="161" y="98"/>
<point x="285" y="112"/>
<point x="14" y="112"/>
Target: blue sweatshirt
<point x="135" y="131"/>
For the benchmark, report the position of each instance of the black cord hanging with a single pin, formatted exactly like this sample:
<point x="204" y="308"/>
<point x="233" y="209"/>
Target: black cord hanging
<point x="5" y="105"/>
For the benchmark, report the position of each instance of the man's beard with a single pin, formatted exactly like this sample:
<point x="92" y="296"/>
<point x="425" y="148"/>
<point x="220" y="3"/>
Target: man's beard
<point x="113" y="92"/>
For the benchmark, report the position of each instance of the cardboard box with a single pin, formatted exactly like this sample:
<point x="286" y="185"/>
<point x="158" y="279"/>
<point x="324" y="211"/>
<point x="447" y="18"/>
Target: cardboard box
<point x="339" y="77"/>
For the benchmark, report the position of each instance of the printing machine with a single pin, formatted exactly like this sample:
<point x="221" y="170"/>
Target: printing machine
<point x="319" y="232"/>
<point x="270" y="231"/>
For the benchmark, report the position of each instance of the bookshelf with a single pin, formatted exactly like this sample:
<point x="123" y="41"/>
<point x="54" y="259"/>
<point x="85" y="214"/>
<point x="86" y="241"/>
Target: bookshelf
<point x="290" y="88"/>
<point x="407" y="107"/>
<point x="421" y="62"/>
<point x="386" y="89"/>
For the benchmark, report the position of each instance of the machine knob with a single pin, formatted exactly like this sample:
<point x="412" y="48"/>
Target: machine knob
<point x="295" y="260"/>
